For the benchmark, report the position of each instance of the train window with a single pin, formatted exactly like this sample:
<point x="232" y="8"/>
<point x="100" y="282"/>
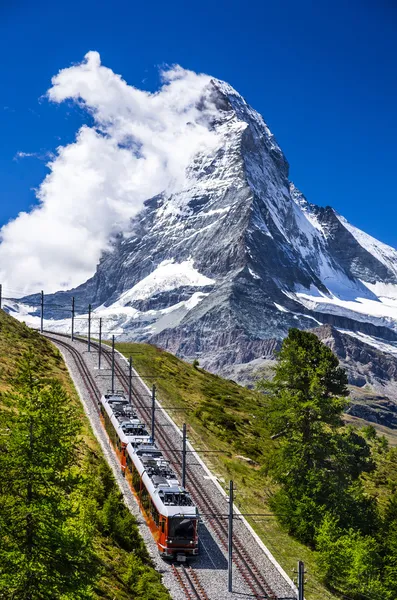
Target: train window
<point x="163" y="526"/>
<point x="154" y="512"/>
<point x="181" y="528"/>
<point x="136" y="479"/>
<point x="145" y="499"/>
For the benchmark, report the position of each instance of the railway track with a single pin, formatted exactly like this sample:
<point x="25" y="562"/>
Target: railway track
<point x="82" y="368"/>
<point x="186" y="576"/>
<point x="241" y="558"/>
<point x="189" y="581"/>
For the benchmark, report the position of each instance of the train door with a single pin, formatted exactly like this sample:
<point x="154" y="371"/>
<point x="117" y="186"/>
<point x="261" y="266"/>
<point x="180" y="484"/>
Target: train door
<point x="162" y="531"/>
<point x="123" y="458"/>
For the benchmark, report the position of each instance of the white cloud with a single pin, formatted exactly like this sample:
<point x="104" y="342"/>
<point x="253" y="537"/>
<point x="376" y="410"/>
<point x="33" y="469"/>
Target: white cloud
<point x="140" y="145"/>
<point x="39" y="155"/>
<point x="24" y="155"/>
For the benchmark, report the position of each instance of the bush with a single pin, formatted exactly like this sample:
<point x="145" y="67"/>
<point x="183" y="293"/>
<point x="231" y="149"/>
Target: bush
<point x="350" y="562"/>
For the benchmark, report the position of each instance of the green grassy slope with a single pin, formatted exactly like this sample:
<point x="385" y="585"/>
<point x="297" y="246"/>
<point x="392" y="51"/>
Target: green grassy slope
<point x="224" y="416"/>
<point x="125" y="568"/>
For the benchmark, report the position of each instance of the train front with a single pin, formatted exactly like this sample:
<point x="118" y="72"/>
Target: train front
<point x="181" y="532"/>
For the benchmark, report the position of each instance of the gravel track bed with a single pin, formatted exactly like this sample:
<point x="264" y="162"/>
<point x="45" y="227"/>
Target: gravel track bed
<point x="211" y="565"/>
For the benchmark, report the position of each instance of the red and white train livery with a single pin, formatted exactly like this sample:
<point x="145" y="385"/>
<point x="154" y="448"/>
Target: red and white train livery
<point x="165" y="504"/>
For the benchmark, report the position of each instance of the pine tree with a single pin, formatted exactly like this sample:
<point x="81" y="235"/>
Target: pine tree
<point x="45" y="543"/>
<point x="317" y="463"/>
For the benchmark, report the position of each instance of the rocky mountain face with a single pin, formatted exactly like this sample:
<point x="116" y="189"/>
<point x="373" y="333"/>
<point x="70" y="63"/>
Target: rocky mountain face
<point x="223" y="268"/>
<point x="372" y="376"/>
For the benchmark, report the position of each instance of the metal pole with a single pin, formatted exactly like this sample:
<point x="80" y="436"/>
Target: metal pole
<point x="100" y="343"/>
<point x="112" y="364"/>
<point x="42" y="311"/>
<point x="184" y="455"/>
<point x="301" y="580"/>
<point x="89" y="328"/>
<point x="230" y="539"/>
<point x="1" y="293"/>
<point x="72" y="332"/>
<point x="153" y="410"/>
<point x="130" y="380"/>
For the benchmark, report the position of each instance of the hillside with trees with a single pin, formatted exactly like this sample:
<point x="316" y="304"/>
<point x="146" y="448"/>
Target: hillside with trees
<point x="324" y="471"/>
<point x="326" y="490"/>
<point x="65" y="532"/>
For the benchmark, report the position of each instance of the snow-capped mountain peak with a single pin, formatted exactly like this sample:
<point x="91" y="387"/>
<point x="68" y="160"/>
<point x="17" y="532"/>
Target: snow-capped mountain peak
<point x="238" y="255"/>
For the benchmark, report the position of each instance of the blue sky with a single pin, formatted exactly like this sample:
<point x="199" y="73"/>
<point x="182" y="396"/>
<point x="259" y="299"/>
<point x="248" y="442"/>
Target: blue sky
<point x="323" y="74"/>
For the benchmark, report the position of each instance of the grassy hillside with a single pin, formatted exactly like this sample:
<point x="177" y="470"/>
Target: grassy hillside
<point x="225" y="416"/>
<point x="124" y="566"/>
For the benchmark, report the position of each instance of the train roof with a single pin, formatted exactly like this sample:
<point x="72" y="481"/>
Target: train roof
<point x="169" y="497"/>
<point x="124" y="419"/>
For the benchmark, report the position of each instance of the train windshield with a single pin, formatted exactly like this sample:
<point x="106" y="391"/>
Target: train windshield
<point x="181" y="528"/>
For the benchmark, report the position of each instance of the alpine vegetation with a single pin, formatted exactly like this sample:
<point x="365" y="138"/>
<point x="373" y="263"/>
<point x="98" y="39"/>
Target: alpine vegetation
<point x="326" y="472"/>
<point x="65" y="532"/>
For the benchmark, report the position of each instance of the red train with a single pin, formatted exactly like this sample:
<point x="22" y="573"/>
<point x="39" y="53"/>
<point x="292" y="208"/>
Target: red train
<point x="165" y="504"/>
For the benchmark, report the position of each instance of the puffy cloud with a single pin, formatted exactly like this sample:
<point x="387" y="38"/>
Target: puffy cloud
<point x="140" y="145"/>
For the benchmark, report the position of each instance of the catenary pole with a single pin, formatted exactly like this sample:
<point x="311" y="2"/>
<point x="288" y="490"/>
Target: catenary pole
<point x="112" y="364"/>
<point x="230" y="539"/>
<point x="301" y="580"/>
<point x="130" y="380"/>
<point x="1" y="294"/>
<point x="72" y="332"/>
<point x="153" y="411"/>
<point x="89" y="328"/>
<point x="184" y="455"/>
<point x="100" y="343"/>
<point x="41" y="311"/>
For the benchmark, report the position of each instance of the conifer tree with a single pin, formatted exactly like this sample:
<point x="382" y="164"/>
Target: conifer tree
<point x="317" y="463"/>
<point x="45" y="544"/>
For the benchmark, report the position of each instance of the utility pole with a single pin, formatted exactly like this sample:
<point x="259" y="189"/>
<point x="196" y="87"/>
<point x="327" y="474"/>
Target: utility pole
<point x="230" y="539"/>
<point x="100" y="344"/>
<point x="72" y="332"/>
<point x="301" y="580"/>
<point x="153" y="410"/>
<point x="184" y="455"/>
<point x="130" y="380"/>
<point x="112" y="364"/>
<point x="89" y="328"/>
<point x="41" y="311"/>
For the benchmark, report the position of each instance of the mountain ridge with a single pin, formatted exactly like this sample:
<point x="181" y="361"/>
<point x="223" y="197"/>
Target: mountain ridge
<point x="236" y="257"/>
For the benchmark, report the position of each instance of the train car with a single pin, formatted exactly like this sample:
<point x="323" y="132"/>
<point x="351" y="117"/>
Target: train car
<point x="165" y="504"/>
<point x="122" y="424"/>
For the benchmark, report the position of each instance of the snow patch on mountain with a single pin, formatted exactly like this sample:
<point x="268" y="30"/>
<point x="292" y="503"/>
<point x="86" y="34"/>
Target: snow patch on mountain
<point x="384" y="253"/>
<point x="377" y="343"/>
<point x="169" y="275"/>
<point x="346" y="301"/>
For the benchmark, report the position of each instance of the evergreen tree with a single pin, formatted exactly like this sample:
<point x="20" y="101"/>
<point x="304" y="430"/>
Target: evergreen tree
<point x="45" y="542"/>
<point x="317" y="463"/>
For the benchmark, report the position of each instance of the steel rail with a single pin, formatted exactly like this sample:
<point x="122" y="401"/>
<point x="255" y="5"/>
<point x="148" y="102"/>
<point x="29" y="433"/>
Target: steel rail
<point x="189" y="582"/>
<point x="82" y="368"/>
